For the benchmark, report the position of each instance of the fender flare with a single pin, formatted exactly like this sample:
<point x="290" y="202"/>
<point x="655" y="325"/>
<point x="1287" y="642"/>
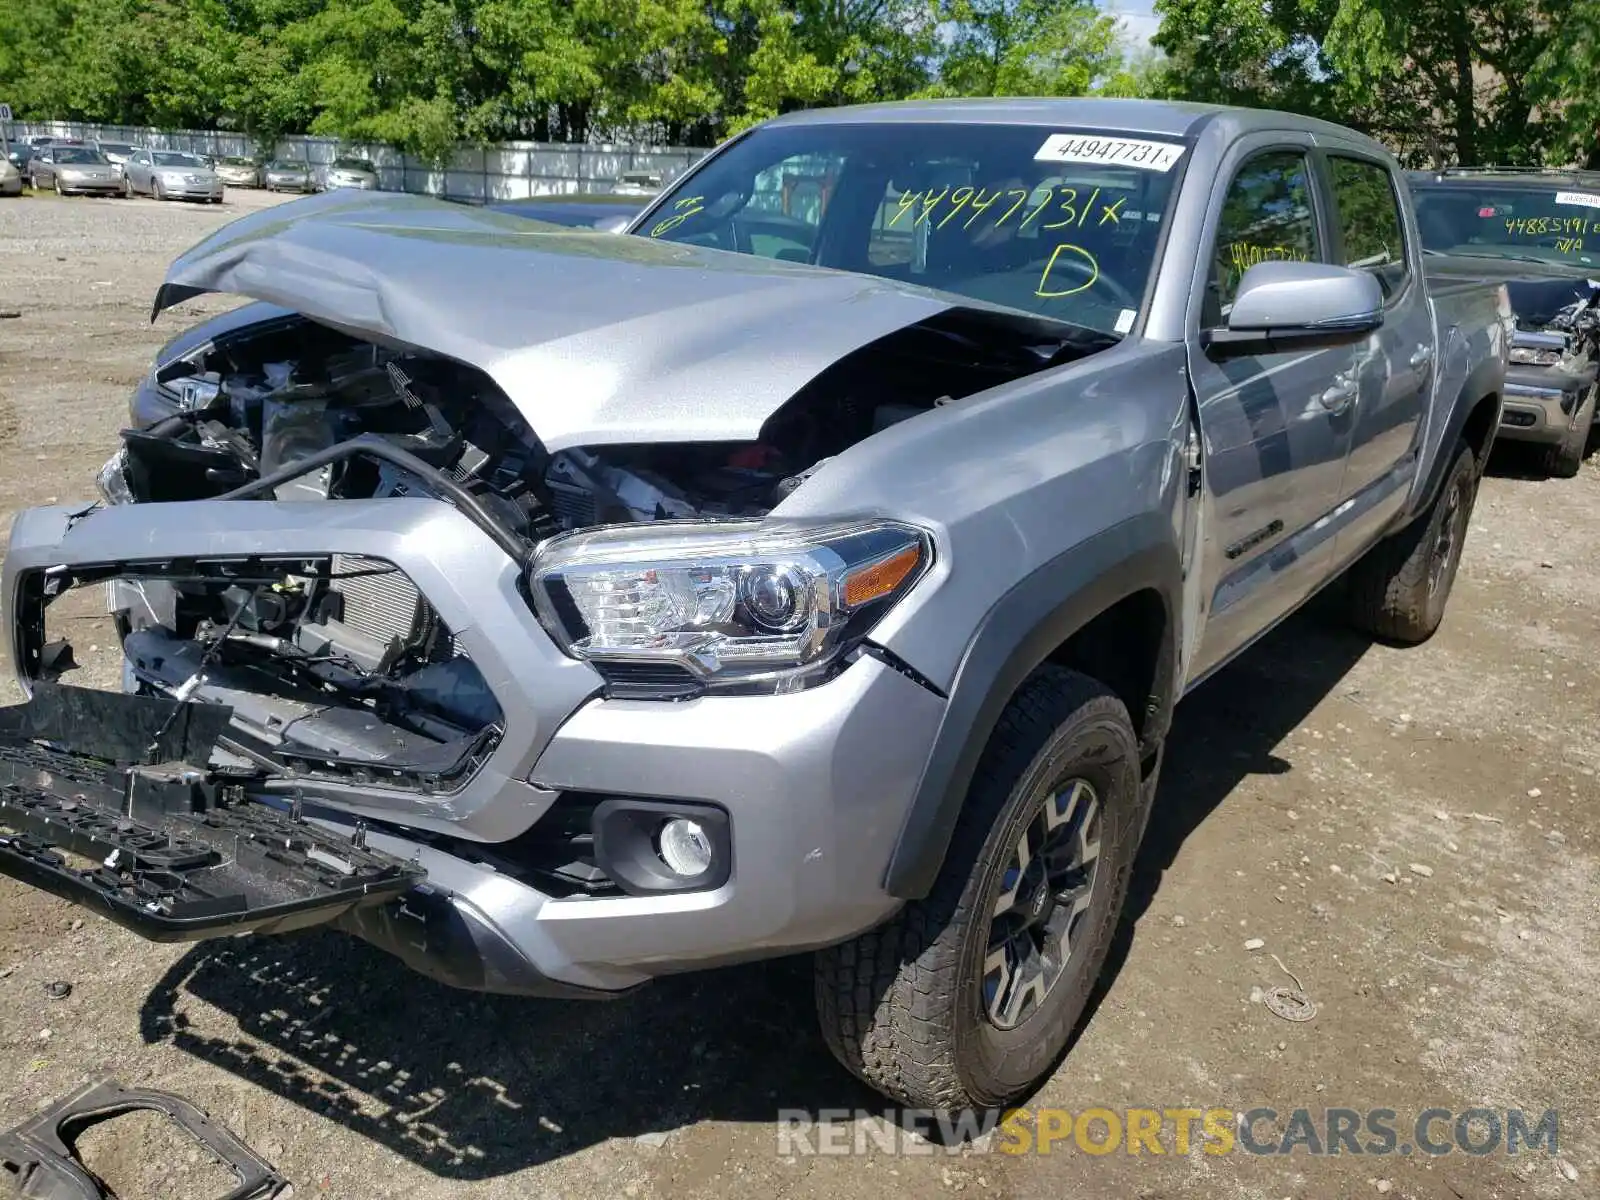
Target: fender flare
<point x="1018" y="633"/>
<point x="1487" y="379"/>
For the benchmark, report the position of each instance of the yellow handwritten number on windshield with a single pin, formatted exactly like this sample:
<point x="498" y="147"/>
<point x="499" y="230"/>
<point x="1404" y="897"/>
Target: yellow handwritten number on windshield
<point x="1076" y="257"/>
<point x="683" y="210"/>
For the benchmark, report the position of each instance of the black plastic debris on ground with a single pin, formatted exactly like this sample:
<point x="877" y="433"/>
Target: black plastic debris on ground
<point x="40" y="1154"/>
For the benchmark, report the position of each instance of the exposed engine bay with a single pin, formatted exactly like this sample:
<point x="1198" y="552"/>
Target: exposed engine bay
<point x="339" y="664"/>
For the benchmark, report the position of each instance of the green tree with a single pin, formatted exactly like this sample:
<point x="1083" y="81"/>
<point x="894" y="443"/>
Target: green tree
<point x="1026" y="48"/>
<point x="1440" y="80"/>
<point x="1562" y="82"/>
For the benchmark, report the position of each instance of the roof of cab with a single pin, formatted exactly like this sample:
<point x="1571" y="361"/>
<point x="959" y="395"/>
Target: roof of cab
<point x="1170" y="118"/>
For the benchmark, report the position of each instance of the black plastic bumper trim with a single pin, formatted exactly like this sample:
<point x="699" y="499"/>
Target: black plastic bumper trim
<point x="168" y="850"/>
<point x="39" y="1153"/>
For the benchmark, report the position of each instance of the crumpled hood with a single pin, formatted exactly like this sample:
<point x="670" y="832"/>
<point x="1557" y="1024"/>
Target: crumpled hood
<point x="1538" y="291"/>
<point x="597" y="338"/>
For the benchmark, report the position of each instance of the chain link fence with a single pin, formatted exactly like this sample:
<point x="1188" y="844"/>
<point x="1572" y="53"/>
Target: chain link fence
<point x="505" y="171"/>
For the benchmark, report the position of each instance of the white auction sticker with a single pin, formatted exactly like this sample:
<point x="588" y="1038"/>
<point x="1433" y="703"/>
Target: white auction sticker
<point x="1586" y="199"/>
<point x="1125" y="152"/>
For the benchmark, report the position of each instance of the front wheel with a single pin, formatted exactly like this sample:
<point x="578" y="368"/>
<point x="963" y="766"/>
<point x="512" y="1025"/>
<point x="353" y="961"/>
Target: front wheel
<point x="1399" y="589"/>
<point x="967" y="998"/>
<point x="156" y="191"/>
<point x="1565" y="459"/>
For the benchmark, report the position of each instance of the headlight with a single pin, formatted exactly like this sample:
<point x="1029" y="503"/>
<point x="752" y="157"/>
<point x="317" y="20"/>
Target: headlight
<point x="112" y="481"/>
<point x="1534" y="356"/>
<point x="725" y="605"/>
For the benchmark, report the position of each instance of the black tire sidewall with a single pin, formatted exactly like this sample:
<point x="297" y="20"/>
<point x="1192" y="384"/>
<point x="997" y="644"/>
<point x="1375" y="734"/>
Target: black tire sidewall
<point x="1095" y="743"/>
<point x="1462" y="477"/>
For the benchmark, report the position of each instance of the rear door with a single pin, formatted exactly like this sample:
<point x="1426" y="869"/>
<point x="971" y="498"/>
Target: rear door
<point x="1396" y="366"/>
<point x="1276" y="427"/>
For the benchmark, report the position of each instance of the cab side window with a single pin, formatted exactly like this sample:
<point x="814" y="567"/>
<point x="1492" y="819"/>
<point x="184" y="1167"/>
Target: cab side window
<point x="1267" y="216"/>
<point x="1372" y="232"/>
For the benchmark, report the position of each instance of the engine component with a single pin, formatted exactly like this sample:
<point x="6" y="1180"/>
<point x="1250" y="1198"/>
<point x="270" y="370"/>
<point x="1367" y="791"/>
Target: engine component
<point x="367" y="612"/>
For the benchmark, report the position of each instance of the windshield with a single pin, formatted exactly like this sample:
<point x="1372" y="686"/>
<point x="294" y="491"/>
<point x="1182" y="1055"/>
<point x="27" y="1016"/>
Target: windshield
<point x="77" y="154"/>
<point x="1057" y="222"/>
<point x="351" y="164"/>
<point x="1548" y="223"/>
<point x="235" y="161"/>
<point x="279" y="165"/>
<point x="115" y="148"/>
<point x="172" y="158"/>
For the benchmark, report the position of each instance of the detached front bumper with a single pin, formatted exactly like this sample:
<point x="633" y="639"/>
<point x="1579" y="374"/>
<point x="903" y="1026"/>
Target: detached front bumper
<point x="813" y="786"/>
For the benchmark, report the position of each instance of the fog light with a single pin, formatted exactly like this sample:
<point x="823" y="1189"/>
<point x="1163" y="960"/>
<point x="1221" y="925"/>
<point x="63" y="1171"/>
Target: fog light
<point x="684" y="847"/>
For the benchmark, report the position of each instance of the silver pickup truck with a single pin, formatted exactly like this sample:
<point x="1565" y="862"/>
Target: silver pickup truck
<point x="815" y="566"/>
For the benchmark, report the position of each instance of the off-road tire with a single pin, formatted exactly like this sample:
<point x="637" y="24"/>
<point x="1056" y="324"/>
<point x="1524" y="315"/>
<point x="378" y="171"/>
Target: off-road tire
<point x="1399" y="589"/>
<point x="1565" y="458"/>
<point x="901" y="1006"/>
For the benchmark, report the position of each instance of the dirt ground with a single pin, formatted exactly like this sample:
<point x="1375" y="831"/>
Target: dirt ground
<point x="1415" y="834"/>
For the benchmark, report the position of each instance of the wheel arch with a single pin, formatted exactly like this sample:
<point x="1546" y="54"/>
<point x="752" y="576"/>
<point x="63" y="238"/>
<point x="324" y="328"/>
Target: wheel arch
<point x="1109" y="607"/>
<point x="1475" y="416"/>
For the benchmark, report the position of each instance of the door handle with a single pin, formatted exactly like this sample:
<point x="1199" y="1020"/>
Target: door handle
<point x="1341" y="395"/>
<point x="1422" y="356"/>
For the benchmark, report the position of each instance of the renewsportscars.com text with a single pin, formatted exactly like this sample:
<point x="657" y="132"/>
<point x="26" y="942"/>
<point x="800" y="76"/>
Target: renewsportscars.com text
<point x="1174" y="1130"/>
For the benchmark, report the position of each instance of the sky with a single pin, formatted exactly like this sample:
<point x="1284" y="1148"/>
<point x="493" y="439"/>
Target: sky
<point x="1137" y="16"/>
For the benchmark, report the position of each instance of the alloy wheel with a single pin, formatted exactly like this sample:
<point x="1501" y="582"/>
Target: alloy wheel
<point x="1045" y="892"/>
<point x="1447" y="543"/>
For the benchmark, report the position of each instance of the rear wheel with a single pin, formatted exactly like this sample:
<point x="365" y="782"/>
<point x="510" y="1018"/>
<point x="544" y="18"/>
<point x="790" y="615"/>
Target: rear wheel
<point x="1398" y="591"/>
<point x="156" y="191"/>
<point x="1565" y="458"/>
<point x="127" y="188"/>
<point x="968" y="997"/>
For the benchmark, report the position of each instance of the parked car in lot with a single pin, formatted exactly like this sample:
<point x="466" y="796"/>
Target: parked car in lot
<point x="591" y="210"/>
<point x="237" y="171"/>
<point x="19" y="155"/>
<point x="284" y="176"/>
<point x="660" y="601"/>
<point x="116" y="153"/>
<point x="73" y="170"/>
<point x="1539" y="231"/>
<point x="10" y="178"/>
<point x="171" y="175"/>
<point x="351" y="173"/>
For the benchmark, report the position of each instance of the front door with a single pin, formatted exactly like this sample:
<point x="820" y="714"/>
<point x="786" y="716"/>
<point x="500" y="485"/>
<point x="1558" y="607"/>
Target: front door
<point x="1276" y="427"/>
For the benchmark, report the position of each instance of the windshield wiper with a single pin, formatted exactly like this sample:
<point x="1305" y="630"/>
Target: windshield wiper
<point x="1522" y="258"/>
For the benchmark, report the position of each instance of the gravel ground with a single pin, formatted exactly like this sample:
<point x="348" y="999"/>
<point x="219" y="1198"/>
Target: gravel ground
<point x="1413" y="833"/>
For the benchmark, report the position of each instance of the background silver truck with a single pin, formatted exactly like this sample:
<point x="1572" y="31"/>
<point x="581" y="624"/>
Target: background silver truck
<point x="818" y="569"/>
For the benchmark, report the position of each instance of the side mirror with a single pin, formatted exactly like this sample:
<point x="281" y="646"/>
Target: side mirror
<point x="1282" y="306"/>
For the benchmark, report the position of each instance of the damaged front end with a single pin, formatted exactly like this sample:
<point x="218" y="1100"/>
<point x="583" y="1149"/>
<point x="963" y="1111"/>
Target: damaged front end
<point x="459" y="488"/>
